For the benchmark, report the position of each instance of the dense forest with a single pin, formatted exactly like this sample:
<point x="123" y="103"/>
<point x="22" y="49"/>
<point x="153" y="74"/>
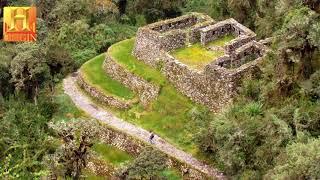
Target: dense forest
<point x="271" y="131"/>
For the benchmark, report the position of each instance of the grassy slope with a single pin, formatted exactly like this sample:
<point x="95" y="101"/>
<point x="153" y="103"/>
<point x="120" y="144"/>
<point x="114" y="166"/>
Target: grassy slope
<point x="110" y="154"/>
<point x="116" y="157"/>
<point x="122" y="53"/>
<point x="167" y="116"/>
<point x="66" y="108"/>
<point x="197" y="56"/>
<point x="95" y="75"/>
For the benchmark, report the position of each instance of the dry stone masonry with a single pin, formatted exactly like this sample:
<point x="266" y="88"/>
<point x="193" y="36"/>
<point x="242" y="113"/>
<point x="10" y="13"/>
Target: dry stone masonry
<point x="101" y="97"/>
<point x="146" y="91"/>
<point x="217" y="84"/>
<point x="133" y="139"/>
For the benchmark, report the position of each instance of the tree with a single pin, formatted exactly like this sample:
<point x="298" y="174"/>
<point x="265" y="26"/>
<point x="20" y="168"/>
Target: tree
<point x="314" y="92"/>
<point x="77" y="137"/>
<point x="72" y="10"/>
<point x="241" y="9"/>
<point x="218" y="9"/>
<point x="29" y="69"/>
<point x="24" y="137"/>
<point x="45" y="7"/>
<point x="244" y="138"/>
<point x="301" y="162"/>
<point x="158" y="9"/>
<point x="6" y="54"/>
<point x="299" y="39"/>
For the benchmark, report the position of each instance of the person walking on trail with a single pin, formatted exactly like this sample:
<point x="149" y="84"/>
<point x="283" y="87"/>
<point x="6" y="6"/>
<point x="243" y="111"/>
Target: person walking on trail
<point x="151" y="138"/>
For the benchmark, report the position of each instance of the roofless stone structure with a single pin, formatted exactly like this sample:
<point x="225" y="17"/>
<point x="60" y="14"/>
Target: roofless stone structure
<point x="218" y="82"/>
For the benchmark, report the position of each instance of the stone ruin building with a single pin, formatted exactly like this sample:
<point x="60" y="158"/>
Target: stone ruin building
<point x="217" y="84"/>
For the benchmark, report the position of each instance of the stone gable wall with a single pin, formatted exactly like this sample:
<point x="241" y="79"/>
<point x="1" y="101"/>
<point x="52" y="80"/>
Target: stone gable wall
<point x="146" y="91"/>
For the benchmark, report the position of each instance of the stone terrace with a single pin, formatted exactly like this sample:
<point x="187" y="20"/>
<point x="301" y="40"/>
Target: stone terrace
<point x="217" y="84"/>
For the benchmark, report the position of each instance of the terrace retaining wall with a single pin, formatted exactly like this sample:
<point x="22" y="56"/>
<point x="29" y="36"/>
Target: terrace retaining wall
<point x="146" y="91"/>
<point x="101" y="97"/>
<point x="134" y="147"/>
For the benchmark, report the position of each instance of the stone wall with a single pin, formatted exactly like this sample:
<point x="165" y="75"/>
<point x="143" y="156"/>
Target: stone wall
<point x="173" y="40"/>
<point x="246" y="53"/>
<point x="147" y="46"/>
<point x="231" y="46"/>
<point x="195" y="35"/>
<point x="182" y="22"/>
<point x="218" y="83"/>
<point x="150" y="40"/>
<point x="101" y="97"/>
<point x="213" y="90"/>
<point x="229" y="26"/>
<point x="146" y="91"/>
<point x="135" y="146"/>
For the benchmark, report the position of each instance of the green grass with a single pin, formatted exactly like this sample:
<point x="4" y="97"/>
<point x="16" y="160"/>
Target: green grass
<point x="167" y="115"/>
<point x="94" y="75"/>
<point x="222" y="40"/>
<point x="66" y="108"/>
<point x="122" y="53"/>
<point x="116" y="157"/>
<point x="110" y="154"/>
<point x="197" y="57"/>
<point x="171" y="175"/>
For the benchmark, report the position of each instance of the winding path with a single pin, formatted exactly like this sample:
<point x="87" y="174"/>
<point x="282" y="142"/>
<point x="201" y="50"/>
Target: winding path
<point x="85" y="103"/>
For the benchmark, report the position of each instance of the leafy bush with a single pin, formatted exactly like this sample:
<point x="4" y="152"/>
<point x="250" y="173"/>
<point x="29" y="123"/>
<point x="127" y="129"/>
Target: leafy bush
<point x="251" y="89"/>
<point x="244" y="138"/>
<point x="253" y="109"/>
<point x="24" y="139"/>
<point x="148" y="165"/>
<point x="314" y="92"/>
<point x="301" y="161"/>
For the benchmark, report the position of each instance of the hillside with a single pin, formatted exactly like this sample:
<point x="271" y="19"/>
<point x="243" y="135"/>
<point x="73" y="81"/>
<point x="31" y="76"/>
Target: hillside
<point x="164" y="89"/>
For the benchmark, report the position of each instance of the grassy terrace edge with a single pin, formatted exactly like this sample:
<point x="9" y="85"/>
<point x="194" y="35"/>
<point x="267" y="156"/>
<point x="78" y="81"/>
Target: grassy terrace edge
<point x="122" y="54"/>
<point x="168" y="115"/>
<point x="95" y="76"/>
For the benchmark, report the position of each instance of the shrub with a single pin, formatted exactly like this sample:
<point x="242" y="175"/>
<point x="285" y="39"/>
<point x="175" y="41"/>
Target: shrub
<point x="314" y="92"/>
<point x="251" y="89"/>
<point x="148" y="165"/>
<point x="254" y="109"/>
<point x="301" y="162"/>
